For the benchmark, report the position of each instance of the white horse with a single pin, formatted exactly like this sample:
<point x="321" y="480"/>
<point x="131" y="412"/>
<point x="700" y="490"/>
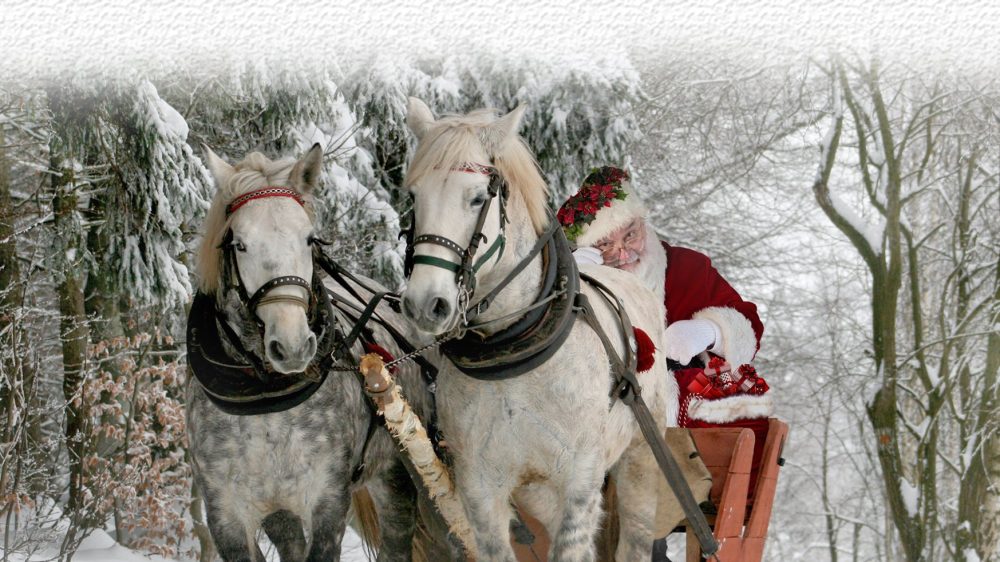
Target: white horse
<point x="547" y="437"/>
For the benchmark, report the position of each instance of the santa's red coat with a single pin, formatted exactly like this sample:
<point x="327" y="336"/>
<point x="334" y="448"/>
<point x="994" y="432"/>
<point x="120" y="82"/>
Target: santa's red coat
<point x="693" y="284"/>
<point x="692" y="287"/>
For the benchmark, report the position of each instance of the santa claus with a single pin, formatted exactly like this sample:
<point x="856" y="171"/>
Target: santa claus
<point x="709" y="327"/>
<point x="705" y="316"/>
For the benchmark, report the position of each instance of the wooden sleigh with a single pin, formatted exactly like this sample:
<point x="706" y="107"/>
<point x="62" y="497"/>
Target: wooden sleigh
<point x="742" y="518"/>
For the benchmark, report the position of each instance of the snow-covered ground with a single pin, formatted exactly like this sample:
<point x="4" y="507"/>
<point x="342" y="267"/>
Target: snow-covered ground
<point x="101" y="547"/>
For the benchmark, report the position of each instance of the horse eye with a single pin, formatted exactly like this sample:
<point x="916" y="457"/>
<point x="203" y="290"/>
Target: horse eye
<point x="478" y="200"/>
<point x="239" y="246"/>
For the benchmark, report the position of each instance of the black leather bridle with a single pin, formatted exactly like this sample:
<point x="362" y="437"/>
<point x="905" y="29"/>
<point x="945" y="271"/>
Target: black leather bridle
<point x="467" y="266"/>
<point x="231" y="270"/>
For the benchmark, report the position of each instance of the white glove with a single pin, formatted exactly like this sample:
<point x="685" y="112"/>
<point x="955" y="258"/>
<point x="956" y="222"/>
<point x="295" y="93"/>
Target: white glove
<point x="588" y="255"/>
<point x="687" y="338"/>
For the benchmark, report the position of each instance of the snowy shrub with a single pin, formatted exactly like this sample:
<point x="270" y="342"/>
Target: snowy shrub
<point x="135" y="470"/>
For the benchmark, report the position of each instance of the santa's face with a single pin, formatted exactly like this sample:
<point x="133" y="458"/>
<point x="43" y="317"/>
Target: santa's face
<point x="625" y="247"/>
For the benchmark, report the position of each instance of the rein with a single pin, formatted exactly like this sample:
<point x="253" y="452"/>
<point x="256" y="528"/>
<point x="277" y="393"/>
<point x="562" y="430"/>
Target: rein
<point x="626" y="388"/>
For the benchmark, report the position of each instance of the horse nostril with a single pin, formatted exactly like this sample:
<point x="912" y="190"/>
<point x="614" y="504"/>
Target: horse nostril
<point x="440" y="308"/>
<point x="276" y="351"/>
<point x="408" y="309"/>
<point x="310" y="346"/>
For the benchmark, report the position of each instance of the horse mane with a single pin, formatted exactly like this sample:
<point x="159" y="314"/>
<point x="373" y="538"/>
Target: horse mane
<point x="254" y="172"/>
<point x="452" y="141"/>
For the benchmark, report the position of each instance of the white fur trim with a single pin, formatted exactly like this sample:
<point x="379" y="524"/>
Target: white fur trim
<point x="609" y="219"/>
<point x="739" y="344"/>
<point x="731" y="408"/>
<point x="653" y="265"/>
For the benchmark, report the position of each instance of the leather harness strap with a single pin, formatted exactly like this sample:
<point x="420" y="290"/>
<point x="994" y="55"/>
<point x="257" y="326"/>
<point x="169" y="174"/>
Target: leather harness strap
<point x="626" y="388"/>
<point x="464" y="270"/>
<point x="536" y="336"/>
<point x="243" y="385"/>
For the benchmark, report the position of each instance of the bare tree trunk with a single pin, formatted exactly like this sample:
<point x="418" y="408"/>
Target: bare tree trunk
<point x="74" y="334"/>
<point x="885" y="265"/>
<point x="15" y="390"/>
<point x="10" y="271"/>
<point x="979" y="497"/>
<point x="101" y="305"/>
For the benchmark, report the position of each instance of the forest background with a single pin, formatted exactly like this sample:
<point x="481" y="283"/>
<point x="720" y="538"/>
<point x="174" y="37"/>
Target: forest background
<point x="850" y="187"/>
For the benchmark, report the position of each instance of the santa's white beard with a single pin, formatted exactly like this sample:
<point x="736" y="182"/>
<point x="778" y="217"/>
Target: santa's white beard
<point x="652" y="264"/>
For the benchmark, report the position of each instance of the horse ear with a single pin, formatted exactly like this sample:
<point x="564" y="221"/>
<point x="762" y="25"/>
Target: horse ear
<point x="495" y="135"/>
<point x="220" y="170"/>
<point x="418" y="117"/>
<point x="304" y="176"/>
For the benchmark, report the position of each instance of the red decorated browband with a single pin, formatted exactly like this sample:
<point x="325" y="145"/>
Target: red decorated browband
<point x="474" y="168"/>
<point x="261" y="193"/>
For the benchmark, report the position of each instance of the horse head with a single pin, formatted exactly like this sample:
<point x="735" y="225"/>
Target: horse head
<point x="258" y="245"/>
<point x="468" y="173"/>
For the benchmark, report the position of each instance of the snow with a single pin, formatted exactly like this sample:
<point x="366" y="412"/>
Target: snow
<point x="911" y="497"/>
<point x="968" y="452"/>
<point x="99" y="546"/>
<point x="970" y="555"/>
<point x="559" y="119"/>
<point x="872" y="233"/>
<point x="162" y="117"/>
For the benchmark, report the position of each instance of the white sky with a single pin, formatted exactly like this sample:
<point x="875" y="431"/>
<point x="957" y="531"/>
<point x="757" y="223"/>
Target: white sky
<point x="44" y="36"/>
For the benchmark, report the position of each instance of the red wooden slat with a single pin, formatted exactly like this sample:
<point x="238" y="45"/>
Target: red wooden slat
<point x="767" y="483"/>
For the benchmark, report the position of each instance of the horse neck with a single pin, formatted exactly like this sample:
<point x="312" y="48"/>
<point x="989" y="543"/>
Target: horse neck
<point x="523" y="289"/>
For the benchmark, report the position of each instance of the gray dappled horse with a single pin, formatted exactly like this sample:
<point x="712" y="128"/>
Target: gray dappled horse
<point x="277" y="440"/>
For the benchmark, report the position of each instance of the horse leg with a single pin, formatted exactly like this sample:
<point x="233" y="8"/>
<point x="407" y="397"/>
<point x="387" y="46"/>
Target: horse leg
<point x="395" y="498"/>
<point x="284" y="528"/>
<point x="581" y="517"/>
<point x="636" y="475"/>
<point x="329" y="522"/>
<point x="487" y="505"/>
<point x="233" y="540"/>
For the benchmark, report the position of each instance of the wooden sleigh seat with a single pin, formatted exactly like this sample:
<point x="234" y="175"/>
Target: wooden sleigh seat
<point x="741" y="523"/>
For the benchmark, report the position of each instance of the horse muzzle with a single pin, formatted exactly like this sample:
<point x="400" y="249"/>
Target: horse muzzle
<point x="289" y="358"/>
<point x="430" y="312"/>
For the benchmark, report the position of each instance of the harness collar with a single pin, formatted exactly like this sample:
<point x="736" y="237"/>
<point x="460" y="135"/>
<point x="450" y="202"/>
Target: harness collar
<point x="534" y="338"/>
<point x="241" y="384"/>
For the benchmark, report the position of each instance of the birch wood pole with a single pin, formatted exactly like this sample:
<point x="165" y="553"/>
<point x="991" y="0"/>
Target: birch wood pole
<point x="412" y="436"/>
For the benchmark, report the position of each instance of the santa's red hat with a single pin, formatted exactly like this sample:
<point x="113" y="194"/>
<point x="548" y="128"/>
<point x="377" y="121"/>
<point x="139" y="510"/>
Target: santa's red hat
<point x="604" y="203"/>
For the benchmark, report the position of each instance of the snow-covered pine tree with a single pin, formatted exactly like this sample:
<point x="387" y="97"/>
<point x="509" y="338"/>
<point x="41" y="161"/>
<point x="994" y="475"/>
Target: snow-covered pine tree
<point x="580" y="114"/>
<point x="125" y="185"/>
<point x="282" y="113"/>
<point x="156" y="190"/>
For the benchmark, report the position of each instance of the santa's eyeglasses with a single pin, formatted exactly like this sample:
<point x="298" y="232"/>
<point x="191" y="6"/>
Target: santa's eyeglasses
<point x="628" y="240"/>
